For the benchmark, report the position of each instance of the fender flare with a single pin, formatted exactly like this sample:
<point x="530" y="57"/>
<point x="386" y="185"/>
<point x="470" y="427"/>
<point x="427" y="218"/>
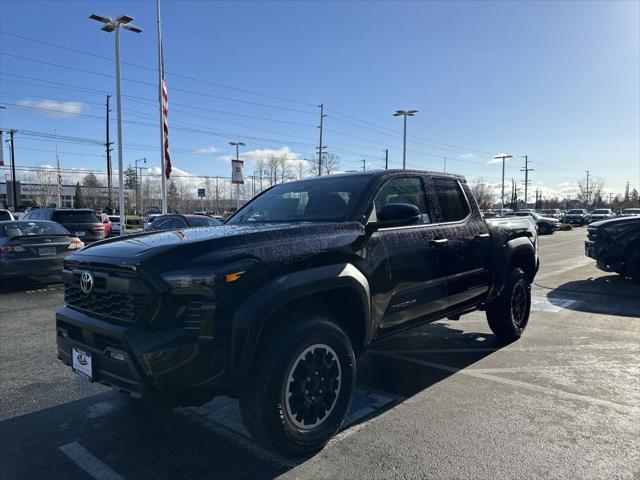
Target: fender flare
<point x="251" y="315"/>
<point x="503" y="259"/>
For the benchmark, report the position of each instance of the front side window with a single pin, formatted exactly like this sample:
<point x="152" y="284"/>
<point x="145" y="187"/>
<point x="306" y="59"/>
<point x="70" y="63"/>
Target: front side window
<point x="403" y="190"/>
<point x="451" y="199"/>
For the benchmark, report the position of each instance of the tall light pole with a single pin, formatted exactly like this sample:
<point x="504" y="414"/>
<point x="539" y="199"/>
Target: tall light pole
<point x="139" y="181"/>
<point x="237" y="145"/>
<point x="123" y="21"/>
<point x="503" y="157"/>
<point x="405" y="114"/>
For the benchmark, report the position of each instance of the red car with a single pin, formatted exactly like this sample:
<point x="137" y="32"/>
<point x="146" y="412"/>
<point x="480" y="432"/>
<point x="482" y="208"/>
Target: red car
<point x="106" y="222"/>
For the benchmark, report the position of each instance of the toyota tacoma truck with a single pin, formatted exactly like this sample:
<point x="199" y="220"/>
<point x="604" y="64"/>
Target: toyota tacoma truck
<point x="274" y="306"/>
<point x="615" y="246"/>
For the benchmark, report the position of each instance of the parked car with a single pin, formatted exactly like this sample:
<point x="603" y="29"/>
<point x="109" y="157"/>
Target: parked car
<point x="575" y="216"/>
<point x="105" y="221"/>
<point x="5" y="215"/>
<point x="81" y="222"/>
<point x="115" y="224"/>
<point x="33" y="248"/>
<point x="273" y="306"/>
<point x="149" y="220"/>
<point x="545" y="225"/>
<point x="551" y="213"/>
<point x="615" y="245"/>
<point x="630" y="212"/>
<point x="174" y="222"/>
<point x="601" y="214"/>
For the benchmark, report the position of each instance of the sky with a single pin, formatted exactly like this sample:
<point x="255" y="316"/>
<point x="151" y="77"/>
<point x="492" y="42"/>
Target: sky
<point x="556" y="81"/>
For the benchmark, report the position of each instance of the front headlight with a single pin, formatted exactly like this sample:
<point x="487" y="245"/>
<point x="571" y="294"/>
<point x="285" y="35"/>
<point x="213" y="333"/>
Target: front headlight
<point x="206" y="281"/>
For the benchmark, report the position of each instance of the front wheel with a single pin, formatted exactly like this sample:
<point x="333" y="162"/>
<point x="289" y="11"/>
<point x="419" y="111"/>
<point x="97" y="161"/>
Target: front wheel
<point x="508" y="314"/>
<point x="300" y="389"/>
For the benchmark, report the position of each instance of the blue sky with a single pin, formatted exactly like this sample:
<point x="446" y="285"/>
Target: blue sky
<point x="557" y="81"/>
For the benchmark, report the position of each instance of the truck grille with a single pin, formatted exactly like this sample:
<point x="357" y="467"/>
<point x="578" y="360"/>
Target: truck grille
<point x="114" y="298"/>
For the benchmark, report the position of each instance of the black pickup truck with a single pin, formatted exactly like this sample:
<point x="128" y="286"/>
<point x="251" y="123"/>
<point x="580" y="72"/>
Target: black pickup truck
<point x="615" y="245"/>
<point x="274" y="306"/>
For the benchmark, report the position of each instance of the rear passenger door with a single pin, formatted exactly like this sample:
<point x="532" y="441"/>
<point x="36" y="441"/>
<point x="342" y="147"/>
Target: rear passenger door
<point x="465" y="255"/>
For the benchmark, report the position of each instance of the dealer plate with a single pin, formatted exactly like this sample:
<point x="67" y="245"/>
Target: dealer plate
<point x="82" y="362"/>
<point x="45" y="251"/>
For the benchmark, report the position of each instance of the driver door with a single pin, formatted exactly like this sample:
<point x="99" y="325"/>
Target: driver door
<point x="415" y="287"/>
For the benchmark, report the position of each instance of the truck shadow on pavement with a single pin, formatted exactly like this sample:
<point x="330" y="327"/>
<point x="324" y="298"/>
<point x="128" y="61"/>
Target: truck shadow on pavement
<point x="137" y="441"/>
<point x="608" y="295"/>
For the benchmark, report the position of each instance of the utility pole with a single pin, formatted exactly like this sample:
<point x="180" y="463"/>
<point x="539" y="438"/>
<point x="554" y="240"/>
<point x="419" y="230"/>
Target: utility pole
<point x="444" y="168"/>
<point x="364" y="164"/>
<point x="108" y="147"/>
<point x="587" y="189"/>
<point x="610" y="195"/>
<point x="535" y="207"/>
<point x="14" y="194"/>
<point x="321" y="147"/>
<point x="526" y="171"/>
<point x="217" y="197"/>
<point x="386" y="159"/>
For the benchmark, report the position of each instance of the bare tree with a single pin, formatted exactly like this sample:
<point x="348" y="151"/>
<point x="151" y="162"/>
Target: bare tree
<point x="273" y="164"/>
<point x="330" y="164"/>
<point x="589" y="198"/>
<point x="483" y="192"/>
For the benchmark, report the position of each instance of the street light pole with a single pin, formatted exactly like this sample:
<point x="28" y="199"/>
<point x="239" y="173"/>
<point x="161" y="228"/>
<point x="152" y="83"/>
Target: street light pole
<point x="123" y="21"/>
<point x="503" y="157"/>
<point x="139" y="182"/>
<point x="405" y="114"/>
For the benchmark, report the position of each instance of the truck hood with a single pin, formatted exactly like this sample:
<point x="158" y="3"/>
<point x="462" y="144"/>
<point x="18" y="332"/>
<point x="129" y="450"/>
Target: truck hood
<point x="262" y="241"/>
<point x="615" y="221"/>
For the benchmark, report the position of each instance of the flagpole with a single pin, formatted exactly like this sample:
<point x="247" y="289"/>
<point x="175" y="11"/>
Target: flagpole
<point x="163" y="183"/>
<point x="58" y="172"/>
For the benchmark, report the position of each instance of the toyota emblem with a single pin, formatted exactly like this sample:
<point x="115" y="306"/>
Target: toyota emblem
<point x="86" y="282"/>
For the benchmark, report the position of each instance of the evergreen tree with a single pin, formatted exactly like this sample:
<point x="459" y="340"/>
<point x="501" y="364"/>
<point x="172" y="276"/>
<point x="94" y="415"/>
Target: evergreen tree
<point x="78" y="201"/>
<point x="172" y="197"/>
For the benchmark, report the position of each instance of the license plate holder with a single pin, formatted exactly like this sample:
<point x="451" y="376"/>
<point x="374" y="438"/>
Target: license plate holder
<point x="46" y="251"/>
<point x="81" y="363"/>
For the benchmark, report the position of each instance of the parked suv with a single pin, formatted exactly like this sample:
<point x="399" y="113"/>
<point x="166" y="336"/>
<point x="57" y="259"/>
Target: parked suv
<point x="274" y="306"/>
<point x="81" y="222"/>
<point x="615" y="245"/>
<point x="601" y="214"/>
<point x="576" y="216"/>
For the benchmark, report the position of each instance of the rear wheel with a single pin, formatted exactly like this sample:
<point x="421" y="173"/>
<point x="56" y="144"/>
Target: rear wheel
<point x="300" y="390"/>
<point x="508" y="315"/>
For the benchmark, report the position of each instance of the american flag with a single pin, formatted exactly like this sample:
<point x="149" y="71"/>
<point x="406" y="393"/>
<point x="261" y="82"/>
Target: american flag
<point x="165" y="125"/>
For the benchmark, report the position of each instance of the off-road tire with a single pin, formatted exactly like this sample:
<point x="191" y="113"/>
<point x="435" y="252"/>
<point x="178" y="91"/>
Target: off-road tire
<point x="508" y="314"/>
<point x="264" y="400"/>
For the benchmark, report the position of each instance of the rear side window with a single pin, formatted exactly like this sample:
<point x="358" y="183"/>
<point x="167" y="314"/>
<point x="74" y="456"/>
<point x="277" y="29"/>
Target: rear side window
<point x="5" y="216"/>
<point x="75" y="217"/>
<point x="452" y="201"/>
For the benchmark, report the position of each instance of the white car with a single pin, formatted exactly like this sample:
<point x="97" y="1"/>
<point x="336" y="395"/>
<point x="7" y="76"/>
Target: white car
<point x="630" y="212"/>
<point x="115" y="224"/>
<point x="601" y="214"/>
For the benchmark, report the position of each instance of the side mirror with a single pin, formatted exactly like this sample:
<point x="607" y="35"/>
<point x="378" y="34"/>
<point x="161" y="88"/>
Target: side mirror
<point x="398" y="215"/>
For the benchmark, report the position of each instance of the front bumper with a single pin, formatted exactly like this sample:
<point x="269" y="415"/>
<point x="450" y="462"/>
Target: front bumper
<point x="575" y="220"/>
<point x="18" y="267"/>
<point x="170" y="366"/>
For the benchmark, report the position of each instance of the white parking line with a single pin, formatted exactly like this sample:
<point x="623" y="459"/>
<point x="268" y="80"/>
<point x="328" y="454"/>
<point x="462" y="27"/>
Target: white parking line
<point x="567" y="268"/>
<point x="87" y="462"/>
<point x="514" y="383"/>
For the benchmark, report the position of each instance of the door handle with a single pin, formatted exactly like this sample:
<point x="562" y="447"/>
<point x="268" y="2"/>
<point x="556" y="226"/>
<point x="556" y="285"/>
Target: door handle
<point x="482" y="236"/>
<point x="438" y="242"/>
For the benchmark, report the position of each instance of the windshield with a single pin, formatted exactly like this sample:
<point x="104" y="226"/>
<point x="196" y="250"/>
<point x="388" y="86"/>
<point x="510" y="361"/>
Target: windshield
<point x="575" y="211"/>
<point x="330" y="200"/>
<point x="31" y="229"/>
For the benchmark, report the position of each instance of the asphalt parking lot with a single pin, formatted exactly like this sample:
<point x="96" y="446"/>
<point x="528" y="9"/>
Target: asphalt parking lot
<point x="440" y="401"/>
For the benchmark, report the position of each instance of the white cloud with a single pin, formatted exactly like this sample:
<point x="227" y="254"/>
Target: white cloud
<point x="264" y="154"/>
<point x="206" y="150"/>
<point x="55" y="108"/>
